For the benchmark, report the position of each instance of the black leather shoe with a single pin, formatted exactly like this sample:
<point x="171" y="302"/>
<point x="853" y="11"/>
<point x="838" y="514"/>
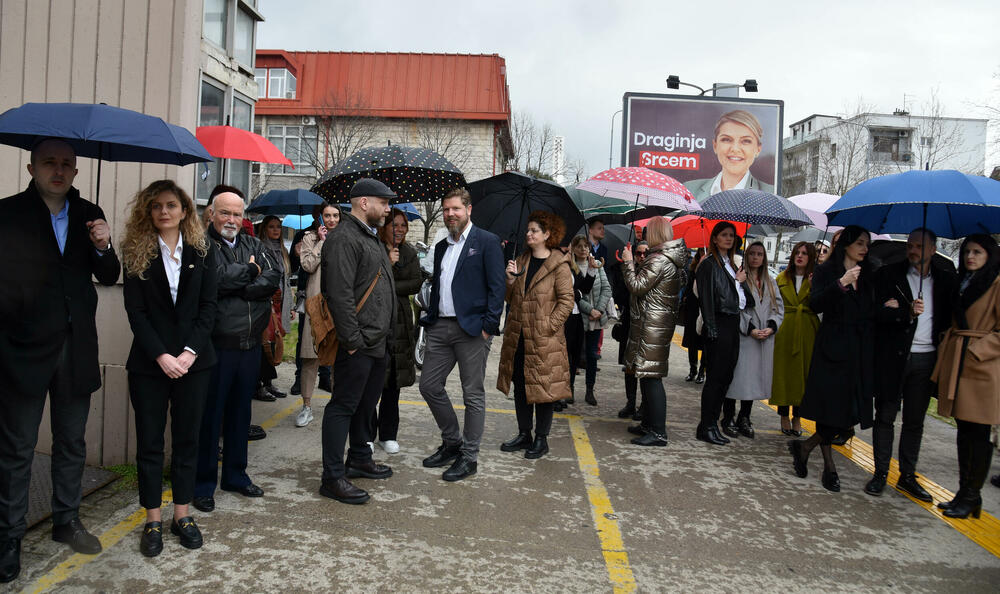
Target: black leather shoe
<point x="964" y="507"/>
<point x="729" y="428"/>
<point x="10" y="560"/>
<point x="538" y="448"/>
<point x="639" y="429"/>
<point x="263" y="395"/>
<point x="638" y="414"/>
<point x="461" y="469"/>
<point x="700" y="379"/>
<point x="151" y="541"/>
<point x="443" y="456"/>
<point x="651" y="439"/>
<point x="876" y="485"/>
<point x="276" y="392"/>
<point x="843" y="438"/>
<point x="627" y="411"/>
<point x="326" y="385"/>
<point x="745" y="427"/>
<point x="256" y="432"/>
<point x="519" y="442"/>
<point x="691" y="376"/>
<point x="798" y="460"/>
<point x="76" y="536"/>
<point x="204" y="504"/>
<point x="709" y="433"/>
<point x="908" y="484"/>
<point x="558" y="406"/>
<point x="296" y="388"/>
<point x="831" y="482"/>
<point x="589" y="396"/>
<point x="250" y="490"/>
<point x="367" y="469"/>
<point x="343" y="491"/>
<point x="187" y="530"/>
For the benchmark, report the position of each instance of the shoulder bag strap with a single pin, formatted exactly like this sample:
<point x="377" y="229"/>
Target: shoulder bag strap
<point x="371" y="288"/>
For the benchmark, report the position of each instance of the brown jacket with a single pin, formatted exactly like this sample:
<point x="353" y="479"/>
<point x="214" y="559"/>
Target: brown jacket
<point x="539" y="315"/>
<point x="975" y="394"/>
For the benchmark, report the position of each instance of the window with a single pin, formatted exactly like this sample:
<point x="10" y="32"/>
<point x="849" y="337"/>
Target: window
<point x="281" y="84"/>
<point x="833" y="150"/>
<point x="232" y="26"/>
<point x="260" y="77"/>
<point x="926" y="141"/>
<point x="211" y="114"/>
<point x="298" y="143"/>
<point x="243" y="38"/>
<point x="810" y="124"/>
<point x="216" y="21"/>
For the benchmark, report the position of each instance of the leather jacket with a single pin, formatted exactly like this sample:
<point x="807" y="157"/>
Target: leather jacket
<point x="244" y="304"/>
<point x="717" y="295"/>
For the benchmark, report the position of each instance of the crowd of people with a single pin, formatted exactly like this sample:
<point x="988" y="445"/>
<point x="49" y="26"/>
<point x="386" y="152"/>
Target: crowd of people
<point x="209" y="302"/>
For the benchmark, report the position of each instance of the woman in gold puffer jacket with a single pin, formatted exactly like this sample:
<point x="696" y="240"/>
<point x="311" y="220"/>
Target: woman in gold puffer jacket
<point x="654" y="283"/>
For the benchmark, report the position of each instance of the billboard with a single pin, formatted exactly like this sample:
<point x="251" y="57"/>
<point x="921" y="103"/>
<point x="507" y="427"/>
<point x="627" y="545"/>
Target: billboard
<point x="709" y="144"/>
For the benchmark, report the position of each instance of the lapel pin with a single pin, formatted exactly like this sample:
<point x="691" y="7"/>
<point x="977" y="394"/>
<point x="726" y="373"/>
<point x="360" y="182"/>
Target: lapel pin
<point x="190" y="265"/>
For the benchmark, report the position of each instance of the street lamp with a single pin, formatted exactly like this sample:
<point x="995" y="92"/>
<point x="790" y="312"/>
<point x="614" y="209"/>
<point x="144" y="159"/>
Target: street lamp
<point x="749" y="85"/>
<point x="611" y="148"/>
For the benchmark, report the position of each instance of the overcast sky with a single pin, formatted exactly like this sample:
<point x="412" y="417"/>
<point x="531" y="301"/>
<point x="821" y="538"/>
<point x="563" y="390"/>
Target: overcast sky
<point x="570" y="62"/>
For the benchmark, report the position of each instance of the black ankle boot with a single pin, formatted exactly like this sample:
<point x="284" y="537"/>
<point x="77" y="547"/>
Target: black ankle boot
<point x="627" y="411"/>
<point x="589" y="398"/>
<point x="519" y="442"/>
<point x="968" y="503"/>
<point x="539" y="448"/>
<point x="709" y="432"/>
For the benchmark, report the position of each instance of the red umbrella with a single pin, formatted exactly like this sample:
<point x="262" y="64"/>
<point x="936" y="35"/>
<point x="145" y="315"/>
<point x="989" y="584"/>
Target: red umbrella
<point x="695" y="230"/>
<point x="635" y="183"/>
<point x="228" y="142"/>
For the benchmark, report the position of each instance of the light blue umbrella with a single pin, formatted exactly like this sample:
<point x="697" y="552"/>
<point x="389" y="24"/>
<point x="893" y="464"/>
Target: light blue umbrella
<point x="409" y="210"/>
<point x="297" y="221"/>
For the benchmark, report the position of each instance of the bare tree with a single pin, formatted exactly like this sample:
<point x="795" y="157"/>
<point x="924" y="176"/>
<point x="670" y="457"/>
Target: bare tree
<point x="343" y="128"/>
<point x="941" y="141"/>
<point x="450" y="140"/>
<point x="575" y="170"/>
<point x="844" y="153"/>
<point x="532" y="143"/>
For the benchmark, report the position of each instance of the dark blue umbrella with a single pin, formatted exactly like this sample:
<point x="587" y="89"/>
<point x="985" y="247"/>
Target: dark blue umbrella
<point x="949" y="203"/>
<point x="285" y="202"/>
<point x="754" y="207"/>
<point x="102" y="132"/>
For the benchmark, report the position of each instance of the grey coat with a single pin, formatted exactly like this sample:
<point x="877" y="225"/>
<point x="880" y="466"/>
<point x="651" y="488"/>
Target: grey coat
<point x="754" y="369"/>
<point x="597" y="298"/>
<point x="655" y="285"/>
<point x="352" y="256"/>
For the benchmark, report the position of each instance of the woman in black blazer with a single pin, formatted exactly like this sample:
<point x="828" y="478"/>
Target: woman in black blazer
<point x="170" y="297"/>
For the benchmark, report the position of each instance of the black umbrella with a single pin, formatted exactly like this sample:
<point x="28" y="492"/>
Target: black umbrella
<point x="637" y="215"/>
<point x="615" y="236"/>
<point x="415" y="174"/>
<point x="283" y="202"/>
<point x="501" y="204"/>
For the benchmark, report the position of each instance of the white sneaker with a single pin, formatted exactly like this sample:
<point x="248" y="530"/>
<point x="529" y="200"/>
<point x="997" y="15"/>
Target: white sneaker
<point x="371" y="444"/>
<point x="304" y="417"/>
<point x="390" y="446"/>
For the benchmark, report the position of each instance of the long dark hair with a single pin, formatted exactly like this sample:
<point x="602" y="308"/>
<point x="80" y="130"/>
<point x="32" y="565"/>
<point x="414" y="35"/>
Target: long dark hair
<point x="849" y="235"/>
<point x="789" y="271"/>
<point x="978" y="281"/>
<point x="714" y="251"/>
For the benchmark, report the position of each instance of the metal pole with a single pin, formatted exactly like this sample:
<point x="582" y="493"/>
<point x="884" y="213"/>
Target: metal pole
<point x="611" y="148"/>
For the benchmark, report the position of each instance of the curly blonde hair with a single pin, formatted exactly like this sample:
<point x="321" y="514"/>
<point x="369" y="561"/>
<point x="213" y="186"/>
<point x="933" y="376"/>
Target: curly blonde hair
<point x="140" y="245"/>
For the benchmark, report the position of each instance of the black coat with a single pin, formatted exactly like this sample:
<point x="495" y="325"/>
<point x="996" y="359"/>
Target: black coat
<point x="690" y="307"/>
<point x="408" y="279"/>
<point x="894" y="329"/>
<point x="244" y="296"/>
<point x="41" y="290"/>
<point x="840" y="383"/>
<point x="161" y="326"/>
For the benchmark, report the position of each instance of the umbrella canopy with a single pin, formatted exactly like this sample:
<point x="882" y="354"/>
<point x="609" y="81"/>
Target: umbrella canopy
<point x="409" y="210"/>
<point x="948" y="202"/>
<point x="695" y="230"/>
<point x="501" y="204"/>
<point x="296" y="221"/>
<point x="615" y="237"/>
<point x="644" y="212"/>
<point x="643" y="185"/>
<point x="754" y="207"/>
<point x="228" y="142"/>
<point x="591" y="204"/>
<point x="102" y="132"/>
<point x="415" y="174"/>
<point x="280" y="202"/>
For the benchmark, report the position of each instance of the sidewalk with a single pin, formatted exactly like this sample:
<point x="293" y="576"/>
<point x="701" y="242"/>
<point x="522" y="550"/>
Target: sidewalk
<point x="595" y="515"/>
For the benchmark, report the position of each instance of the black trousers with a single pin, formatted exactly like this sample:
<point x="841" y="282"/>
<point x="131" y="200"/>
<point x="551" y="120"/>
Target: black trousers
<point x="693" y="359"/>
<point x="573" y="329"/>
<point x="151" y="397"/>
<point x="722" y="355"/>
<point x="915" y="395"/>
<point x="20" y="415"/>
<point x="360" y="379"/>
<point x="729" y="408"/>
<point x="385" y="421"/>
<point x="975" y="452"/>
<point x="525" y="411"/>
<point x="654" y="401"/>
<point x="784" y="410"/>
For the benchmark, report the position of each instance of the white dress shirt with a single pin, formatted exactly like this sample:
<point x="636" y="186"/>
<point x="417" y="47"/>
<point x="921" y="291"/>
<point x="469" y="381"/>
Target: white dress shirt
<point x="717" y="183"/>
<point x="446" y="303"/>
<point x="923" y="338"/>
<point x="739" y="287"/>
<point x="172" y="263"/>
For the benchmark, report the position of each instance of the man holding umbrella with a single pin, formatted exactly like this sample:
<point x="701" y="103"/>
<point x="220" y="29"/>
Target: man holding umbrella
<point x="54" y="241"/>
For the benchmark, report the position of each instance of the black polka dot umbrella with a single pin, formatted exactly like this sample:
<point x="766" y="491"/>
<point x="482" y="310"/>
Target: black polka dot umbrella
<point x="415" y="174"/>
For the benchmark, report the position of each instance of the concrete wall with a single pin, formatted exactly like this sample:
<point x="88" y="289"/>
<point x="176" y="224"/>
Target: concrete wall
<point x="136" y="54"/>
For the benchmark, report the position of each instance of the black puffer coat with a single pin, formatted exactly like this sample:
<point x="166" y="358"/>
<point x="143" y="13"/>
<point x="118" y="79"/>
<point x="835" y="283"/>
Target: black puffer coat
<point x="408" y="279"/>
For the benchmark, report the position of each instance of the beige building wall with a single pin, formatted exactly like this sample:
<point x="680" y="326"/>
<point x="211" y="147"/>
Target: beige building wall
<point x="142" y="55"/>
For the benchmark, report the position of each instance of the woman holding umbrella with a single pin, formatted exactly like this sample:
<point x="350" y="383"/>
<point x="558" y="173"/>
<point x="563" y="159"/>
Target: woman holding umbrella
<point x="692" y="339"/>
<point x="968" y="370"/>
<point x="793" y="345"/>
<point x="839" y="388"/>
<point x="533" y="356"/>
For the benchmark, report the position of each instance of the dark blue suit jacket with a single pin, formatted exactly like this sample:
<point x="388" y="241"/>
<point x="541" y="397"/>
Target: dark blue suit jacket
<point x="478" y="286"/>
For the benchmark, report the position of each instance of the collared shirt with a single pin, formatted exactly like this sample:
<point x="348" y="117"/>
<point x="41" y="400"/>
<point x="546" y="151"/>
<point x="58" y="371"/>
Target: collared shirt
<point x="923" y="338"/>
<point x="232" y="243"/>
<point x="172" y="263"/>
<point x="739" y="287"/>
<point x="446" y="302"/>
<point x="60" y="226"/>
<point x="717" y="183"/>
<point x="594" y="246"/>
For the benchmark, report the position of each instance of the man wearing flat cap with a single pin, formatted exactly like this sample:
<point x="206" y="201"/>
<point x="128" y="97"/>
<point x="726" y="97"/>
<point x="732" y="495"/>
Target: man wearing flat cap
<point x="360" y="292"/>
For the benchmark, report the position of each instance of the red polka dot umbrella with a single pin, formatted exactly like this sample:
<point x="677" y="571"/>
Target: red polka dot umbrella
<point x="642" y="185"/>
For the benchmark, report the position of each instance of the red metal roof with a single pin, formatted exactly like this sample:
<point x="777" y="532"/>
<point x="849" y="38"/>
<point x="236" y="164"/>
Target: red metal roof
<point x="391" y="85"/>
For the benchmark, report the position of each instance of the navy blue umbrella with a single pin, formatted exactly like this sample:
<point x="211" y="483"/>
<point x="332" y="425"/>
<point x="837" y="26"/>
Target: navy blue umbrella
<point x="754" y="207"/>
<point x="102" y="132"/>
<point x="285" y="202"/>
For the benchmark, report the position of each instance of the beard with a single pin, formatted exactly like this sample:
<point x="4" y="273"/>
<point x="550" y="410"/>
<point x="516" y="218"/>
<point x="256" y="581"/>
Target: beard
<point x="456" y="225"/>
<point x="229" y="231"/>
<point x="375" y="218"/>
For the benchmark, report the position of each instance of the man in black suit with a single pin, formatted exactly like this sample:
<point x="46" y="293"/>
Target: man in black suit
<point x="54" y="241"/>
<point x="467" y="294"/>
<point x="908" y="328"/>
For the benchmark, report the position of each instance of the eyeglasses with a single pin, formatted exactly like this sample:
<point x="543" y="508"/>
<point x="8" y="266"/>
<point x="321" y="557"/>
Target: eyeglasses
<point x="824" y="251"/>
<point x="641" y="254"/>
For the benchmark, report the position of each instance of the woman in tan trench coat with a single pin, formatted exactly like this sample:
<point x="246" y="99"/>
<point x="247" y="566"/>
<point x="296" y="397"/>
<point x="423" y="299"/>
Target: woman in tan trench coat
<point x="533" y="355"/>
<point x="968" y="370"/>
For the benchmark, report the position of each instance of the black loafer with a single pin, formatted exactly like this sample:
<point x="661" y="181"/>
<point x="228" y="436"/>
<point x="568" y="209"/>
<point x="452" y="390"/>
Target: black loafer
<point x="187" y="530"/>
<point x="204" y="504"/>
<point x="276" y="392"/>
<point x="908" y="484"/>
<point x="344" y="491"/>
<point x="368" y="469"/>
<point x="520" y="441"/>
<point x="256" y="432"/>
<point x="76" y="536"/>
<point x="250" y="490"/>
<point x="444" y="455"/>
<point x="745" y="427"/>
<point x="876" y="485"/>
<point x="729" y="428"/>
<point x="10" y="560"/>
<point x="262" y="394"/>
<point x="651" y="438"/>
<point x="151" y="542"/>
<point x="462" y="468"/>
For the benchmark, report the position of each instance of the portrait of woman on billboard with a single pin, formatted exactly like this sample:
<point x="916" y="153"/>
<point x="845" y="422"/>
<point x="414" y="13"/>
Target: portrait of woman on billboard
<point x="737" y="142"/>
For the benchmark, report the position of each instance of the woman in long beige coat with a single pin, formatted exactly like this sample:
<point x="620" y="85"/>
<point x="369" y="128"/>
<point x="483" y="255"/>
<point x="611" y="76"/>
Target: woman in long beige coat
<point x="655" y="284"/>
<point x="533" y="356"/>
<point x="968" y="370"/>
